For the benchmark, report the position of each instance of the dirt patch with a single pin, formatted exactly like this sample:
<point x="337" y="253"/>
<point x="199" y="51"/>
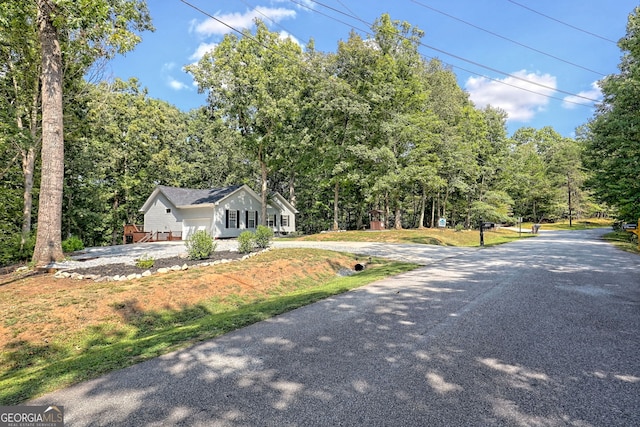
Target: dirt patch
<point x="42" y="309"/>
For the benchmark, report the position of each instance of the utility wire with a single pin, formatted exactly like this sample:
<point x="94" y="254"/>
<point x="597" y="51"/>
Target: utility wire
<point x="562" y="22"/>
<point x="513" y="76"/>
<point x="346" y="7"/>
<point x="366" y="32"/>
<point x="311" y="71"/>
<point x="267" y="17"/>
<point x="506" y="38"/>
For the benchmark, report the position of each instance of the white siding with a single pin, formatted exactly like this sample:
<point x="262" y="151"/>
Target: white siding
<point x="156" y="217"/>
<point x="190" y="226"/>
<point x="195" y="219"/>
<point x="279" y="209"/>
<point x="213" y="218"/>
<point x="241" y="201"/>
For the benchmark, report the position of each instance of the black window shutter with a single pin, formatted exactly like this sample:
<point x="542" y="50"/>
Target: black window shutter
<point x="246" y="219"/>
<point x="226" y="218"/>
<point x="237" y="219"/>
<point x="257" y="222"/>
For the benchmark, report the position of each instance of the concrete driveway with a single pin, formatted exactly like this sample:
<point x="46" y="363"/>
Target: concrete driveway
<point x="540" y="332"/>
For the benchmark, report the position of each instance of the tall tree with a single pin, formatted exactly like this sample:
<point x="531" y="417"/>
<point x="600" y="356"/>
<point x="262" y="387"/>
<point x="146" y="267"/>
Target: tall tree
<point x="20" y="95"/>
<point x="612" y="146"/>
<point x="251" y="83"/>
<point x="87" y="30"/>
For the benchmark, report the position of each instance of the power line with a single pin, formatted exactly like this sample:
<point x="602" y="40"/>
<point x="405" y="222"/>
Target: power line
<point x="346" y="7"/>
<point x="506" y="38"/>
<point x="562" y="22"/>
<point x="267" y="17"/>
<point x="366" y="32"/>
<point x="513" y="76"/>
<point x="311" y="71"/>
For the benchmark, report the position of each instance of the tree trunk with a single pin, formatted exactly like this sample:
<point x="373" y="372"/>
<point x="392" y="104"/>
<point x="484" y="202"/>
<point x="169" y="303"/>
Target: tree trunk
<point x="114" y="231"/>
<point x="467" y="222"/>
<point x="569" y="194"/>
<point x="397" y="223"/>
<point x="28" y="154"/>
<point x="387" y="210"/>
<point x="263" y="191"/>
<point x="336" y="211"/>
<point x="433" y="212"/>
<point x="28" y="166"/>
<point x="48" y="240"/>
<point x="444" y="204"/>
<point x="292" y="190"/>
<point x="423" y="208"/>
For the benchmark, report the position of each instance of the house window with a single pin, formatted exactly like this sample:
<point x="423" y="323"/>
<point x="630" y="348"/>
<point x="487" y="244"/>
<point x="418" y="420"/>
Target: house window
<point x="271" y="220"/>
<point x="284" y="220"/>
<point x="232" y="219"/>
<point x="168" y="210"/>
<point x="251" y="219"/>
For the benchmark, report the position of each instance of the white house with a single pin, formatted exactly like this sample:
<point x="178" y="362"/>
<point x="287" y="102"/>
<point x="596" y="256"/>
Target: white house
<point x="223" y="212"/>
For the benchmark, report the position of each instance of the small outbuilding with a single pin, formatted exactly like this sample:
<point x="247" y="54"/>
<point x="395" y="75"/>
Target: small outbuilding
<point x="222" y="212"/>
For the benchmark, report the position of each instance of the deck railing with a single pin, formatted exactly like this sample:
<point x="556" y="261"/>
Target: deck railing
<point x="135" y="234"/>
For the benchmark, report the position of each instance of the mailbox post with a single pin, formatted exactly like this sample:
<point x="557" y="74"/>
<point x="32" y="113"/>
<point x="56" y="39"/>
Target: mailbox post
<point x="481" y="233"/>
<point x="635" y="229"/>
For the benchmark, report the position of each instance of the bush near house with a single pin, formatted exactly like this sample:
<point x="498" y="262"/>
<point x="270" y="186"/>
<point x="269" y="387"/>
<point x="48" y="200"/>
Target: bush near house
<point x="263" y="236"/>
<point x="246" y="242"/>
<point x="200" y="245"/>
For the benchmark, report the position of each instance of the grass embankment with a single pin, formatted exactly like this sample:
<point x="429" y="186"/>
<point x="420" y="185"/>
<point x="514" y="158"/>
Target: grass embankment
<point x="56" y="332"/>
<point x="442" y="237"/>
<point x="623" y="240"/>
<point x="576" y="224"/>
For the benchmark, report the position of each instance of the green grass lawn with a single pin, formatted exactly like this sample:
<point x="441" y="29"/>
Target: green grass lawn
<point x="34" y="366"/>
<point x="623" y="240"/>
<point x="443" y="237"/>
<point x="576" y="224"/>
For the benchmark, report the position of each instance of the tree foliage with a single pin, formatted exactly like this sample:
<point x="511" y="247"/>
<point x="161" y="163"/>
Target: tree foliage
<point x="83" y="31"/>
<point x="371" y="127"/>
<point x="612" y="142"/>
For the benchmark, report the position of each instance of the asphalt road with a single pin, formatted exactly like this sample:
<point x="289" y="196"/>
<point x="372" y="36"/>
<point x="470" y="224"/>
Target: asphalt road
<point x="541" y="332"/>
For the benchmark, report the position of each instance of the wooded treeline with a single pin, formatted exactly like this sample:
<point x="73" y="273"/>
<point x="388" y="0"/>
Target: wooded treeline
<point x="372" y="125"/>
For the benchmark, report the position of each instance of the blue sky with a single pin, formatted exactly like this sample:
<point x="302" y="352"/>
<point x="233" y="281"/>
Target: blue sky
<point x="492" y="45"/>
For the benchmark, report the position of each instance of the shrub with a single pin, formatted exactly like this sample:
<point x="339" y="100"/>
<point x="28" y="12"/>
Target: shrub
<point x="245" y="242"/>
<point x="200" y="245"/>
<point x="263" y="236"/>
<point x="145" y="261"/>
<point x="10" y="252"/>
<point x="72" y="244"/>
<point x="459" y="227"/>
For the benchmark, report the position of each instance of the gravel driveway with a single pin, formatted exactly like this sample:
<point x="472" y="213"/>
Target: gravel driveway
<point x="127" y="254"/>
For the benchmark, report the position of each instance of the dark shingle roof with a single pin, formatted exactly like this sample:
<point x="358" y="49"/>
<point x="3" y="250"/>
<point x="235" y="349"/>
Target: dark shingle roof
<point x="189" y="196"/>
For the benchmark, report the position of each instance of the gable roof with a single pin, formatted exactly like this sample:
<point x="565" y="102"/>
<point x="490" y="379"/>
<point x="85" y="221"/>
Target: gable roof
<point x="190" y="197"/>
<point x="184" y="197"/>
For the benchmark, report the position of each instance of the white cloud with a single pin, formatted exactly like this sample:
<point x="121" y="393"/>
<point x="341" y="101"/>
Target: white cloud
<point x="284" y="35"/>
<point x="520" y="105"/>
<point x="241" y="21"/>
<point x="201" y="50"/>
<point x="570" y="102"/>
<point x="177" y="85"/>
<point x="304" y="4"/>
<point x="168" y="66"/>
